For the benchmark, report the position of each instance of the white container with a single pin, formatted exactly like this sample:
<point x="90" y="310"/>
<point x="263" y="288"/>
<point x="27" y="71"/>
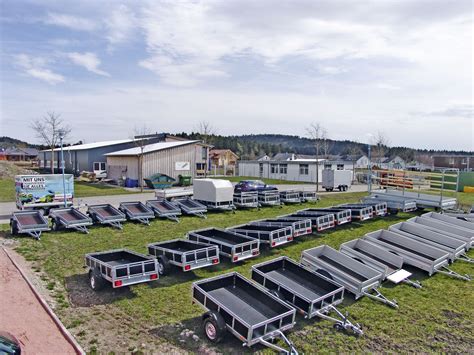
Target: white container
<point x="336" y="179"/>
<point x="213" y="190"/>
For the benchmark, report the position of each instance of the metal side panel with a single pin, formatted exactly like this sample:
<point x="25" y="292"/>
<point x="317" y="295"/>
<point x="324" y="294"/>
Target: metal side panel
<point x="450" y="220"/>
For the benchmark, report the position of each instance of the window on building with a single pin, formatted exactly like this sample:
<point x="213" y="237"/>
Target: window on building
<point x="283" y="168"/>
<point x="99" y="166"/>
<point x="304" y="169"/>
<point x="451" y="161"/>
<point x="274" y="168"/>
<point x="464" y="161"/>
<point x="327" y="166"/>
<point x="204" y="153"/>
<point x="200" y="166"/>
<point x="340" y="167"/>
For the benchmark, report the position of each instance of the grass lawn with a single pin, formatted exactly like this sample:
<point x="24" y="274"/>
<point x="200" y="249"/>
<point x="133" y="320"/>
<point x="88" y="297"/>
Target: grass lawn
<point x="7" y="190"/>
<point x="265" y="180"/>
<point x="437" y="318"/>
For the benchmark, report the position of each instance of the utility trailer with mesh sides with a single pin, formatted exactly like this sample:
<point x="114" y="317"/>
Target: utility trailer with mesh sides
<point x="28" y="222"/>
<point x="394" y="203"/>
<point x="463" y="234"/>
<point x="165" y="209"/>
<point x="449" y="220"/>
<point x="300" y="227"/>
<point x="245" y="309"/>
<point x="69" y="218"/>
<point x="414" y="253"/>
<point x="137" y="211"/>
<point x="356" y="277"/>
<point x="359" y="212"/>
<point x="454" y="247"/>
<point x="290" y="196"/>
<point x="184" y="254"/>
<point x="308" y="196"/>
<point x="379" y="259"/>
<point x="246" y="199"/>
<point x="235" y="246"/>
<point x="424" y="200"/>
<point x="120" y="267"/>
<point x="269" y="198"/>
<point x="319" y="221"/>
<point x="342" y="216"/>
<point x="107" y="214"/>
<point x="191" y="207"/>
<point x="273" y="236"/>
<point x="311" y="293"/>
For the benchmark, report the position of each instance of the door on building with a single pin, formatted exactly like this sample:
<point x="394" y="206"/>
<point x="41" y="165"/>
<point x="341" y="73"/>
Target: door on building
<point x="260" y="169"/>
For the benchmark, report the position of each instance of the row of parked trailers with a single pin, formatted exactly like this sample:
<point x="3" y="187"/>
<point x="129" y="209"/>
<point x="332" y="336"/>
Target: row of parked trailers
<point x="261" y="309"/>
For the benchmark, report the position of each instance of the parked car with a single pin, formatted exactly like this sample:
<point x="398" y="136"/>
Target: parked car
<point x="252" y="185"/>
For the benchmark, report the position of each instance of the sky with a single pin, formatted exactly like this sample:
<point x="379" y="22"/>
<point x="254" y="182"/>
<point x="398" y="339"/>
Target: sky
<point x="404" y="68"/>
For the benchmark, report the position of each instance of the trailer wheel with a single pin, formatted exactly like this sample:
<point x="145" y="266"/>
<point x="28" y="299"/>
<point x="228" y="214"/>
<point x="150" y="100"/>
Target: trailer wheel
<point x="96" y="281"/>
<point x="214" y="327"/>
<point x="164" y="266"/>
<point x="324" y="273"/>
<point x="338" y="327"/>
<point x="13" y="228"/>
<point x="55" y="226"/>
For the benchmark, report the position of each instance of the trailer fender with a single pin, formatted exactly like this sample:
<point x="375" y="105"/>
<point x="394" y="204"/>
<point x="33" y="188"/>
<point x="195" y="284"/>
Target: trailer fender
<point x="214" y="326"/>
<point x="13" y="227"/>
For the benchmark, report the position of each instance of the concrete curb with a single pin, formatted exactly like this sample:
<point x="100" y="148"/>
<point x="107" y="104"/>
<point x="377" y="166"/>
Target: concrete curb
<point x="70" y="339"/>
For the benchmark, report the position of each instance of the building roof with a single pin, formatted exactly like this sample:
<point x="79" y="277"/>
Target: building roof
<point x="283" y="156"/>
<point x="150" y="148"/>
<point x="221" y="151"/>
<point x="20" y="151"/>
<point x="352" y="157"/>
<point x="91" y="145"/>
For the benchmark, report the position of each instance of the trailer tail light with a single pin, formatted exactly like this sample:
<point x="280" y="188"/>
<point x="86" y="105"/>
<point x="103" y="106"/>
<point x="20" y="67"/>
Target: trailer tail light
<point x="308" y="230"/>
<point x="118" y="283"/>
<point x="187" y="267"/>
<point x="215" y="261"/>
<point x="255" y="252"/>
<point x="236" y="258"/>
<point x="319" y="229"/>
<point x="153" y="276"/>
<point x="273" y="244"/>
<point x="289" y="239"/>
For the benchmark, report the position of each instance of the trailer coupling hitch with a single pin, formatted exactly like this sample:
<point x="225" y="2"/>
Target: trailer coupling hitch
<point x="344" y="324"/>
<point x="279" y="334"/>
<point x="447" y="271"/>
<point x="381" y="298"/>
<point x="415" y="284"/>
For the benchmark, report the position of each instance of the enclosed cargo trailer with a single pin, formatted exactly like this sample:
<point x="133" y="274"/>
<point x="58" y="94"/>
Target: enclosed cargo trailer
<point x="215" y="194"/>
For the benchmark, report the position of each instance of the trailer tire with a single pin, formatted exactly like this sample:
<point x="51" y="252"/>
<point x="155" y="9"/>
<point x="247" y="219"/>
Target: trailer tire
<point x="13" y="228"/>
<point x="324" y="273"/>
<point x="55" y="226"/>
<point x="214" y="326"/>
<point x="96" y="282"/>
<point x="164" y="266"/>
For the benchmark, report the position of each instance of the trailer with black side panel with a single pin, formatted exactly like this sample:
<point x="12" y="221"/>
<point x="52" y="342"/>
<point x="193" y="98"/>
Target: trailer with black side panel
<point x="320" y="221"/>
<point x="342" y="215"/>
<point x="290" y="196"/>
<point x="308" y="196"/>
<point x="246" y="199"/>
<point x="359" y="212"/>
<point x="300" y="227"/>
<point x="269" y="198"/>
<point x="273" y="236"/>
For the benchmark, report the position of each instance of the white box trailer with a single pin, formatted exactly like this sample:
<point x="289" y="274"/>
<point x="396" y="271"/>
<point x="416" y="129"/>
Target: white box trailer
<point x="337" y="179"/>
<point x="214" y="193"/>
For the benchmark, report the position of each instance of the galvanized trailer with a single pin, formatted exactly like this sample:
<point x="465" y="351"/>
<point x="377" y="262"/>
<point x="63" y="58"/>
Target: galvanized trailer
<point x="290" y="197"/>
<point x="107" y="214"/>
<point x="191" y="207"/>
<point x="455" y="247"/>
<point x="235" y="246"/>
<point x="414" y="253"/>
<point x="449" y="220"/>
<point x="307" y="196"/>
<point x="120" y="267"/>
<point x="185" y="254"/>
<point x="69" y="218"/>
<point x="356" y="277"/>
<point x="269" y="198"/>
<point x="174" y="192"/>
<point x="394" y="203"/>
<point x="164" y="209"/>
<point x="468" y="217"/>
<point x="137" y="211"/>
<point x="425" y="200"/>
<point x="273" y="236"/>
<point x="319" y="220"/>
<point x="380" y="259"/>
<point x="300" y="227"/>
<point x="463" y="234"/>
<point x="311" y="293"/>
<point x="28" y="222"/>
<point x="360" y="212"/>
<point x="245" y="309"/>
<point x="248" y="199"/>
<point x="380" y="208"/>
<point x="342" y="216"/>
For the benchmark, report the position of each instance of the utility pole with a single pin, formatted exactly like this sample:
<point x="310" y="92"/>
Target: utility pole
<point x="369" y="176"/>
<point x="61" y="137"/>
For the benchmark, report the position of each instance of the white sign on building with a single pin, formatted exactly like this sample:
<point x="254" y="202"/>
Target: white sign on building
<point x="182" y="166"/>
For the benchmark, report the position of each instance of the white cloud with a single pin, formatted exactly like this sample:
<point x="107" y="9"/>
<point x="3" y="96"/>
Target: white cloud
<point x="71" y="21"/>
<point x="120" y="25"/>
<point x="35" y="67"/>
<point x="87" y="60"/>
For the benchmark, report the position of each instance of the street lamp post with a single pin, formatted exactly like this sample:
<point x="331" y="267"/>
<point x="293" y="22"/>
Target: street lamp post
<point x="369" y="178"/>
<point x="61" y="137"/>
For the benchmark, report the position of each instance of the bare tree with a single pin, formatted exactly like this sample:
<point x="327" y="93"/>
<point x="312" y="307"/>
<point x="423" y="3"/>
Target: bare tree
<point x="140" y="137"/>
<point x="326" y="144"/>
<point x="353" y="151"/>
<point x="47" y="129"/>
<point x="317" y="134"/>
<point x="206" y="131"/>
<point x="380" y="143"/>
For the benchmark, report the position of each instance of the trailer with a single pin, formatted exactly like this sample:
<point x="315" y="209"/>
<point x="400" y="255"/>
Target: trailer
<point x="455" y="247"/>
<point x="69" y="218"/>
<point x="245" y="309"/>
<point x="360" y="212"/>
<point x="273" y="236"/>
<point x="300" y="227"/>
<point x="247" y="199"/>
<point x="164" y="209"/>
<point x="32" y="223"/>
<point x="174" y="192"/>
<point x="237" y="247"/>
<point x="319" y="221"/>
<point x="107" y="214"/>
<point x="424" y="200"/>
<point x="269" y="198"/>
<point x="215" y="194"/>
<point x="290" y="196"/>
<point x="342" y="215"/>
<point x="380" y="208"/>
<point x="449" y="220"/>
<point x="414" y="253"/>
<point x="336" y="179"/>
<point x="191" y="207"/>
<point x="356" y="277"/>
<point x="308" y="196"/>
<point x="311" y="293"/>
<point x="468" y="217"/>
<point x="137" y="211"/>
<point x="460" y="233"/>
<point x="120" y="267"/>
<point x="184" y="254"/>
<point x="379" y="259"/>
<point x="394" y="203"/>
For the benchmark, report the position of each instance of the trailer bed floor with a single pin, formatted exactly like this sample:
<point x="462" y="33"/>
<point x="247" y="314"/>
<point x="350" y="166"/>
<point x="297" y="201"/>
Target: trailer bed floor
<point x="343" y="268"/>
<point x="121" y="262"/>
<point x="297" y="284"/>
<point x="241" y="303"/>
<point x="30" y="219"/>
<point x="391" y="268"/>
<point x="408" y="249"/>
